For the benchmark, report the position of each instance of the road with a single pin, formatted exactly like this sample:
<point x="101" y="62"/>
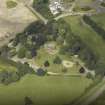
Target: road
<point x="92" y="95"/>
<point x="73" y="14"/>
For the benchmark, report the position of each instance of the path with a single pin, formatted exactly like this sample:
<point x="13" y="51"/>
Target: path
<point x="73" y="14"/>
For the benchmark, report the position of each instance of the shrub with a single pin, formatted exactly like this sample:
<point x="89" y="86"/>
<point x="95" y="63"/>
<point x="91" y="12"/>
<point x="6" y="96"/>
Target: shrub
<point x="46" y="64"/>
<point x="21" y="52"/>
<point x="57" y="60"/>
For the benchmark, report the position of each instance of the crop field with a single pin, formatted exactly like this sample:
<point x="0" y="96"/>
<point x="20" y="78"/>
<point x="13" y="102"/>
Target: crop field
<point x="47" y="90"/>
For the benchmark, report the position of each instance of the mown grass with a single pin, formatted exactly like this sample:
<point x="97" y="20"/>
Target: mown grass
<point x="47" y="90"/>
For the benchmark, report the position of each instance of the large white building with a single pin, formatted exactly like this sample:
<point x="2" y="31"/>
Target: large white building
<point x="55" y="6"/>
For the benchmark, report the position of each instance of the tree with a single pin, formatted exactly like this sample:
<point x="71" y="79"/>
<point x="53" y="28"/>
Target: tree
<point x="46" y="64"/>
<point x="60" y="40"/>
<point x="12" y="52"/>
<point x="41" y="72"/>
<point x="21" y="52"/>
<point x="57" y="60"/>
<point x="89" y="75"/>
<point x="64" y="70"/>
<point x="82" y="70"/>
<point x="24" y="69"/>
<point x="28" y="55"/>
<point x="4" y="51"/>
<point x="28" y="101"/>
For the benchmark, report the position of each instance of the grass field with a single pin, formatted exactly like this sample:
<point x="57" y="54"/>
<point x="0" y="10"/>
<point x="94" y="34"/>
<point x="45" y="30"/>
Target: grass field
<point x="100" y="100"/>
<point x="99" y="19"/>
<point x="43" y="90"/>
<point x="91" y="38"/>
<point x="6" y="66"/>
<point x="84" y="2"/>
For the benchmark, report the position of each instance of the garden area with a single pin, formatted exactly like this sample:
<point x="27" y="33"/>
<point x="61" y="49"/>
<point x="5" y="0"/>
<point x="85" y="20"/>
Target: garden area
<point x="56" y="62"/>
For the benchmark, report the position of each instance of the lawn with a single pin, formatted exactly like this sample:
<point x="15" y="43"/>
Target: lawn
<point x="47" y="90"/>
<point x="91" y="38"/>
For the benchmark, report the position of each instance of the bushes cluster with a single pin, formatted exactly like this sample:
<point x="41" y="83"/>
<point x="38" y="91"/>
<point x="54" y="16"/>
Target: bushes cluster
<point x="42" y="6"/>
<point x="8" y="76"/>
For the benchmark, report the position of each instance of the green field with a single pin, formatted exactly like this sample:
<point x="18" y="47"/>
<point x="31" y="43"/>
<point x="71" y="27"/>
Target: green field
<point x="85" y="1"/>
<point x="46" y="90"/>
<point x="7" y="66"/>
<point x="99" y="19"/>
<point x="100" y="100"/>
<point x="88" y="35"/>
